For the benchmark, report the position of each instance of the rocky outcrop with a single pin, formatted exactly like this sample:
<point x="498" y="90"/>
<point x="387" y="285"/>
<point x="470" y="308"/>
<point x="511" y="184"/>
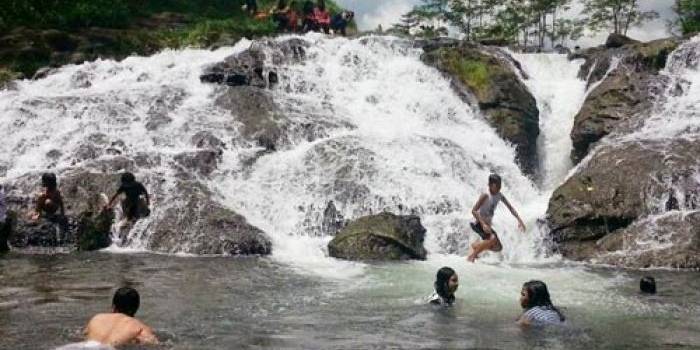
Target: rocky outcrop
<point x="247" y="79"/>
<point x="630" y="84"/>
<point x="198" y="225"/>
<point x="669" y="240"/>
<point x="488" y="78"/>
<point x="619" y="185"/>
<point x="380" y="237"/>
<point x="187" y="220"/>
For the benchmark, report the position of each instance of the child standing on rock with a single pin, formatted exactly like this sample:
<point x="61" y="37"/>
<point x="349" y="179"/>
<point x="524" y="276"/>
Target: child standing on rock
<point x="483" y="212"/>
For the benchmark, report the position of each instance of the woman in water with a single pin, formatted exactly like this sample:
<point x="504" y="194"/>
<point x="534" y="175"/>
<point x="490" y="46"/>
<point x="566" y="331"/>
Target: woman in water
<point x="539" y="310"/>
<point x="446" y="284"/>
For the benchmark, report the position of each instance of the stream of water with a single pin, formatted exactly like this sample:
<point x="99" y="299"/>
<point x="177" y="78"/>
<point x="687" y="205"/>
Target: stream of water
<point x="393" y="136"/>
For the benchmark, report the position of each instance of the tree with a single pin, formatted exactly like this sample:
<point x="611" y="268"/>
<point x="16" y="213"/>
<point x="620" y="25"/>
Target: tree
<point x="688" y="12"/>
<point x="618" y="15"/>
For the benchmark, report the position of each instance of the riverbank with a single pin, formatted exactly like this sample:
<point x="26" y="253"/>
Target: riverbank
<point x="39" y="39"/>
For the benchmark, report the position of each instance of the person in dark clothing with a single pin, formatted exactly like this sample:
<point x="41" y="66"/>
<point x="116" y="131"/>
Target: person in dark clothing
<point x="309" y="22"/>
<point x="133" y="206"/>
<point x="280" y="15"/>
<point x="251" y="7"/>
<point x="49" y="204"/>
<point x="339" y="23"/>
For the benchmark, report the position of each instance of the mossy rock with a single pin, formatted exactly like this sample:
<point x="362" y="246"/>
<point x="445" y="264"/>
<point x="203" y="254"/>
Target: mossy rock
<point x="94" y="231"/>
<point x="380" y="237"/>
<point x="488" y="78"/>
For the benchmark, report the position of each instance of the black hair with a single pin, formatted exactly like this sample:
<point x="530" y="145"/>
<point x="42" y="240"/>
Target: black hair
<point x="647" y="285"/>
<point x="128" y="178"/>
<point x="308" y="7"/>
<point x="126" y="301"/>
<point x="494" y="179"/>
<point x="321" y="5"/>
<point x="281" y="4"/>
<point x="441" y="284"/>
<point x="48" y="180"/>
<point x="538" y="295"/>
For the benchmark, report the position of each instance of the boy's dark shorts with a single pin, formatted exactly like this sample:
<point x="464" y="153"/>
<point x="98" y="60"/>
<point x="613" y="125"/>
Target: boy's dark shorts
<point x="476" y="226"/>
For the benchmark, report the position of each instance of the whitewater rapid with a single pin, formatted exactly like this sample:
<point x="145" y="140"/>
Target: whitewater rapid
<point x="401" y="140"/>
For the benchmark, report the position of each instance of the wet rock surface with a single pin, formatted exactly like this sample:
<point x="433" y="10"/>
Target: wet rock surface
<point x="487" y="77"/>
<point x="620" y="185"/>
<point x="380" y="237"/>
<point x="629" y="84"/>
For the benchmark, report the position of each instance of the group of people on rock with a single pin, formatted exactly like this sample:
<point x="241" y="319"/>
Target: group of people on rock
<point x="50" y="205"/>
<point x="310" y="17"/>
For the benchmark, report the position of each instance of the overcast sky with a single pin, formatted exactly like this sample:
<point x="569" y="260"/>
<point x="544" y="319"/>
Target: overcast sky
<point x="371" y="13"/>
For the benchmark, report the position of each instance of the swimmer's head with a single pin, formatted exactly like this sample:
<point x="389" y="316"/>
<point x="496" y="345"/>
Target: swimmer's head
<point x="128" y="178"/>
<point x="48" y="180"/>
<point x="446" y="282"/>
<point x="647" y="285"/>
<point x="534" y="293"/>
<point x="126" y="301"/>
<point x="494" y="183"/>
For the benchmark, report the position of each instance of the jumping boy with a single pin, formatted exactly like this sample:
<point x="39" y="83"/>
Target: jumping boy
<point x="483" y="212"/>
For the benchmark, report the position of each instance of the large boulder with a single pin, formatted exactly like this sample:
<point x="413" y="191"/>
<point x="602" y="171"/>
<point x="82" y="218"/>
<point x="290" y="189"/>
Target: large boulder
<point x="620" y="184"/>
<point x="198" y="225"/>
<point x="628" y="83"/>
<point x="380" y="237"/>
<point x="668" y="240"/>
<point x="487" y="77"/>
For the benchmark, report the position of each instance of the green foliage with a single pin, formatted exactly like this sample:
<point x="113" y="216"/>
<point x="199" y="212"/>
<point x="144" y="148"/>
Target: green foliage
<point x="474" y="73"/>
<point x="617" y="15"/>
<point x="495" y="20"/>
<point x="688" y="16"/>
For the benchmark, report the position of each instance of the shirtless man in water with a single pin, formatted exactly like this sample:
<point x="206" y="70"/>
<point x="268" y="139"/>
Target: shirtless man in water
<point x="120" y="327"/>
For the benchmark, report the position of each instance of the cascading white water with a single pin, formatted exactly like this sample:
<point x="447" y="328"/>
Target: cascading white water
<point x="554" y="82"/>
<point x="401" y="139"/>
<point x="408" y="144"/>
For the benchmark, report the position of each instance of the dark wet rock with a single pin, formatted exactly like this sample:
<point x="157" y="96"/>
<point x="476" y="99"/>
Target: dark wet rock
<point x="207" y="140"/>
<point x="42" y="233"/>
<point x="626" y="92"/>
<point x="669" y="240"/>
<point x="157" y="121"/>
<point x="248" y="67"/>
<point x="59" y="41"/>
<point x="6" y="228"/>
<point x="94" y="230"/>
<point x="332" y="221"/>
<point x="200" y="162"/>
<point x="621" y="184"/>
<point x="198" y="225"/>
<point x="43" y="73"/>
<point x="486" y="77"/>
<point x="380" y="237"/>
<point x="618" y="40"/>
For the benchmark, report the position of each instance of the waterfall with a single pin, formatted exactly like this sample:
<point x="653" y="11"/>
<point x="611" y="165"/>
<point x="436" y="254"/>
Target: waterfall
<point x="554" y="82"/>
<point x="388" y="133"/>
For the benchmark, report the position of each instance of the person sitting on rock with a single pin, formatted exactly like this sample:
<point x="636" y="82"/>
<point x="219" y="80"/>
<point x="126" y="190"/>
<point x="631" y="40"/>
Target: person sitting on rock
<point x="322" y="17"/>
<point x="446" y="284"/>
<point x="120" y="327"/>
<point x="309" y="22"/>
<point x="340" y="22"/>
<point x="279" y="15"/>
<point x="133" y="206"/>
<point x="49" y="204"/>
<point x="539" y="310"/>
